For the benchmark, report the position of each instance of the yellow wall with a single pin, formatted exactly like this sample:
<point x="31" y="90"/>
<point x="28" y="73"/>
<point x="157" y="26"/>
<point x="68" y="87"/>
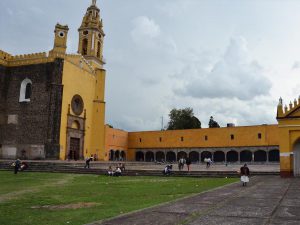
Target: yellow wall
<point x="79" y="79"/>
<point x="115" y="139"/>
<point x="98" y="132"/>
<point x="216" y="137"/>
<point x="289" y="133"/>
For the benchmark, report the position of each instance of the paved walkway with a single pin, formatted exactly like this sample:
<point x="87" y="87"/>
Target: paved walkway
<point x="266" y="200"/>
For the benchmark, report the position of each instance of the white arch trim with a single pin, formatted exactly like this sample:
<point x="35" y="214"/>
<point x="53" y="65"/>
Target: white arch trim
<point x="23" y="90"/>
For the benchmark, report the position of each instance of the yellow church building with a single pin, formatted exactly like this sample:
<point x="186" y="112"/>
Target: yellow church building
<point x="52" y="106"/>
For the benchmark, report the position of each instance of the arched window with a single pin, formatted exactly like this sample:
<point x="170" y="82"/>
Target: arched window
<point x="84" y="46"/>
<point x="76" y="125"/>
<point x="28" y="91"/>
<point x="98" y="49"/>
<point x="25" y="90"/>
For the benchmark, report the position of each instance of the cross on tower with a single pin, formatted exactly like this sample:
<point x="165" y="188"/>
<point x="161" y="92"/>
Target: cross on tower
<point x="94" y="2"/>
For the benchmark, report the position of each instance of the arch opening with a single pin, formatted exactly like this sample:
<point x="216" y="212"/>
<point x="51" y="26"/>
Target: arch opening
<point x="260" y="156"/>
<point x="274" y="155"/>
<point x="160" y="156"/>
<point x="76" y="125"/>
<point x="123" y="155"/>
<point x="205" y="154"/>
<point x="171" y="157"/>
<point x="219" y="156"/>
<point x="139" y="156"/>
<point x="246" y="156"/>
<point x="194" y="156"/>
<point x="111" y="155"/>
<point x="84" y="46"/>
<point x="149" y="157"/>
<point x="117" y="155"/>
<point x="296" y="158"/>
<point x="98" y="49"/>
<point x="25" y="90"/>
<point x="181" y="154"/>
<point x="232" y="156"/>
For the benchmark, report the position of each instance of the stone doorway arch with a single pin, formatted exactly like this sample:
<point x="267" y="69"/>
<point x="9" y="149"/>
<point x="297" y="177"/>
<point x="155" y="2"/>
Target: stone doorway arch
<point x="296" y="158"/>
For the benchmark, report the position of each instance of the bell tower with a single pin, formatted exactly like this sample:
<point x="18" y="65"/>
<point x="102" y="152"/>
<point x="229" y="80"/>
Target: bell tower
<point x="91" y="36"/>
<point x="60" y="40"/>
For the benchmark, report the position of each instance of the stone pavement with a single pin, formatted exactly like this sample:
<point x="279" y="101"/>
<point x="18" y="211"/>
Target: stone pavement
<point x="266" y="200"/>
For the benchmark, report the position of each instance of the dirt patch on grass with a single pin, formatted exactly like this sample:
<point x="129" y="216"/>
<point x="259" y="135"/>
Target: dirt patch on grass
<point x="17" y="194"/>
<point x="78" y="205"/>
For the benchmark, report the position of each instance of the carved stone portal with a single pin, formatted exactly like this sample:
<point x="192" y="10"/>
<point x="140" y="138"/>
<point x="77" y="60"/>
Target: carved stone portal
<point x="75" y="137"/>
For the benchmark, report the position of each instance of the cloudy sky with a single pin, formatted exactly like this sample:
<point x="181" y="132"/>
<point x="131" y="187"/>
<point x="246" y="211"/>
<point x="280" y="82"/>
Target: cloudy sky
<point x="230" y="59"/>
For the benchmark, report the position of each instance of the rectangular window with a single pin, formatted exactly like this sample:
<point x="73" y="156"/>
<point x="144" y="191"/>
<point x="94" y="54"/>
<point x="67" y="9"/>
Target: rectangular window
<point x="160" y="139"/>
<point x="259" y="135"/>
<point x="205" y="138"/>
<point x="232" y="137"/>
<point x="140" y="139"/>
<point x="181" y="138"/>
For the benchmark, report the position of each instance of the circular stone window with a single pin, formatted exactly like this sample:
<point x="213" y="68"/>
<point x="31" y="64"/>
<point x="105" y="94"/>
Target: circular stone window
<point x="85" y="32"/>
<point x="77" y="104"/>
<point x="61" y="34"/>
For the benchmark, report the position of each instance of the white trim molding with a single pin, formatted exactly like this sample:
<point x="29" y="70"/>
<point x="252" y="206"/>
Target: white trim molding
<point x="24" y="84"/>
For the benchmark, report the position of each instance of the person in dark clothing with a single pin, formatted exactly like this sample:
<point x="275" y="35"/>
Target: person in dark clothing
<point x="24" y="166"/>
<point x="118" y="172"/>
<point x="17" y="165"/>
<point x="245" y="172"/>
<point x="168" y="170"/>
<point x="188" y="163"/>
<point x="87" y="162"/>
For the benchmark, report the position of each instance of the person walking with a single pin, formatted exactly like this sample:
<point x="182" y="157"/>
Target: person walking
<point x="245" y="172"/>
<point x="17" y="165"/>
<point x="188" y="163"/>
<point x="180" y="164"/>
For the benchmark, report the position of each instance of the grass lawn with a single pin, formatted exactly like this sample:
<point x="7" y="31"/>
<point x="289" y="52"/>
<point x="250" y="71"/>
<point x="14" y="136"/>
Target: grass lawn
<point x="55" y="198"/>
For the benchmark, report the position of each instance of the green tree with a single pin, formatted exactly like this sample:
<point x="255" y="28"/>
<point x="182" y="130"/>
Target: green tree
<point x="181" y="119"/>
<point x="212" y="123"/>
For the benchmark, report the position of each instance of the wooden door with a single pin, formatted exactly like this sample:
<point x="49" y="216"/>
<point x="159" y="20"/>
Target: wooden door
<point x="74" y="148"/>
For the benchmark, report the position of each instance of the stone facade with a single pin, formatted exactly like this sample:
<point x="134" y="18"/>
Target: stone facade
<point x="31" y="129"/>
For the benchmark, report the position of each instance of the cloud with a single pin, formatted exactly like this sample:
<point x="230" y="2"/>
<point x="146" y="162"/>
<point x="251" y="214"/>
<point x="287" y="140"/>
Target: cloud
<point x="232" y="110"/>
<point x="175" y="7"/>
<point x="9" y="12"/>
<point x="234" y="75"/>
<point x="296" y="65"/>
<point x="144" y="29"/>
<point x="147" y="34"/>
